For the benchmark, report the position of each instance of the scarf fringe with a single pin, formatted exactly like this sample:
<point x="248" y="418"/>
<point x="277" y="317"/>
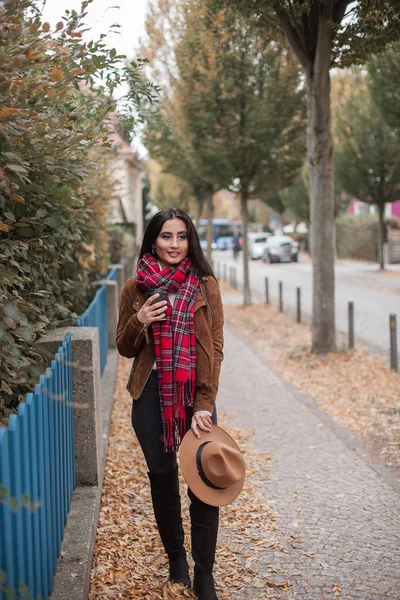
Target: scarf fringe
<point x="174" y="425"/>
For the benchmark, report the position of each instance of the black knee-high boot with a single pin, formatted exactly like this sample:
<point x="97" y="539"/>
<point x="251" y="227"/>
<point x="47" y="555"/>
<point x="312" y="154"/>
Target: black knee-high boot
<point x="167" y="510"/>
<point x="204" y="519"/>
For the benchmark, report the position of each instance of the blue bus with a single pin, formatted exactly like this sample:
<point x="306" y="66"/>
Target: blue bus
<point x="223" y="232"/>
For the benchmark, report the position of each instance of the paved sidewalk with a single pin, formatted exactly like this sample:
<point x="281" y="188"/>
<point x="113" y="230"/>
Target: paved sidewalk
<point x="337" y="533"/>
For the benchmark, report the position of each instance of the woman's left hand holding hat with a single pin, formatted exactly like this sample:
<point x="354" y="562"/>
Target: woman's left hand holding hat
<point x="201" y="421"/>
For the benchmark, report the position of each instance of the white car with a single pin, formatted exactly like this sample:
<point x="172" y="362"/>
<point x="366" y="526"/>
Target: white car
<point x="280" y="248"/>
<point x="257" y="244"/>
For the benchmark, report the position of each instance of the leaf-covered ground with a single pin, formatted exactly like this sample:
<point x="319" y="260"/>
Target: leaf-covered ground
<point x="129" y="561"/>
<point x="356" y="388"/>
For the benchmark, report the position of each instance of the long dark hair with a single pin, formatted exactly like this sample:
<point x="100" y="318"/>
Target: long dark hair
<point x="200" y="263"/>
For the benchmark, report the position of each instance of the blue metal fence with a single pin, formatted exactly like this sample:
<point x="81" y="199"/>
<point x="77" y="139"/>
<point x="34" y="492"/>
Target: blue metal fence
<point x="113" y="275"/>
<point x="96" y="316"/>
<point x="37" y="479"/>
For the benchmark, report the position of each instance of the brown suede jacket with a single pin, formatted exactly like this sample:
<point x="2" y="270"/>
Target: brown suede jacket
<point x="134" y="341"/>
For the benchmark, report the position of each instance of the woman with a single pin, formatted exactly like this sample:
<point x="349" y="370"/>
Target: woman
<point x="177" y="344"/>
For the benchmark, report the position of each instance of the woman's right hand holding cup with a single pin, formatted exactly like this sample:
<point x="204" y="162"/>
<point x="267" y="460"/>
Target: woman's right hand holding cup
<point x="152" y="310"/>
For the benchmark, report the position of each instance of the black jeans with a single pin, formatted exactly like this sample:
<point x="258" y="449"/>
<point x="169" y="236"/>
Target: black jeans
<point x="146" y="421"/>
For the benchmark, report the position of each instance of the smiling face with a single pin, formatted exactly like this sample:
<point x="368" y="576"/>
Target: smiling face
<point x="172" y="244"/>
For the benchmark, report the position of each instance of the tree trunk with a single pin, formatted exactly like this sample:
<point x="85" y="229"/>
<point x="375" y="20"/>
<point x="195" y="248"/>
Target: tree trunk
<point x="320" y="162"/>
<point x="199" y="208"/>
<point x="210" y="216"/>
<point x="244" y="196"/>
<point x="381" y="236"/>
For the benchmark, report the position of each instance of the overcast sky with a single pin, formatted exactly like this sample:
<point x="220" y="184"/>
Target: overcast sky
<point x="101" y="14"/>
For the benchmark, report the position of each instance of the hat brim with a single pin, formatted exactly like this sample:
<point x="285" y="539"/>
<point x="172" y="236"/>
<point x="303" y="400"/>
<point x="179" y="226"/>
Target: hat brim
<point x="187" y="460"/>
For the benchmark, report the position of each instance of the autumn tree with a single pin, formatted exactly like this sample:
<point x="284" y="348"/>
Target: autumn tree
<point x="170" y="142"/>
<point x="275" y="203"/>
<point x="367" y="159"/>
<point x="164" y="26"/>
<point x="296" y="197"/>
<point x="384" y="78"/>
<point x="167" y="136"/>
<point x="170" y="191"/>
<point x="323" y="33"/>
<point x="231" y="89"/>
<point x="199" y="114"/>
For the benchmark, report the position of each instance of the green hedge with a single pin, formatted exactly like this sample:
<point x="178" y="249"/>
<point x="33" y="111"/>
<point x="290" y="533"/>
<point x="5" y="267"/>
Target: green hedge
<point x="55" y="178"/>
<point x="357" y="237"/>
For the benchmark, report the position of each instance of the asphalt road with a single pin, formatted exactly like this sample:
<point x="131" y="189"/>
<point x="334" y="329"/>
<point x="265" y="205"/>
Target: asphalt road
<point x="375" y="295"/>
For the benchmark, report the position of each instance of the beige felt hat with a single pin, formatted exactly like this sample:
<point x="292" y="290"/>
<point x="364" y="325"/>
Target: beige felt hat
<point x="212" y="466"/>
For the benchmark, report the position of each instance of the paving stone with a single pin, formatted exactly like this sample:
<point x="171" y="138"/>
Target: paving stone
<point x="327" y="497"/>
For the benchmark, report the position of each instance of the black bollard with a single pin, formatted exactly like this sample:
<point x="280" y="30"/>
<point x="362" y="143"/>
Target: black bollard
<point x="266" y="291"/>
<point x="298" y="305"/>
<point x="281" y="296"/>
<point x="394" y="363"/>
<point x="351" y="325"/>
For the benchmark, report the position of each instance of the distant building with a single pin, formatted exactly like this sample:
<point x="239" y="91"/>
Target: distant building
<point x="127" y="172"/>
<point x="358" y="208"/>
<point x="227" y="206"/>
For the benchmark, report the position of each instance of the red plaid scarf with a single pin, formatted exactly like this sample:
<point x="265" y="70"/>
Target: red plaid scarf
<point x="174" y="342"/>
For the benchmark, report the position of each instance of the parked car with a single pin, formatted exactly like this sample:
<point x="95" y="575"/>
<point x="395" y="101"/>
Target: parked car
<point x="257" y="244"/>
<point x="280" y="248"/>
